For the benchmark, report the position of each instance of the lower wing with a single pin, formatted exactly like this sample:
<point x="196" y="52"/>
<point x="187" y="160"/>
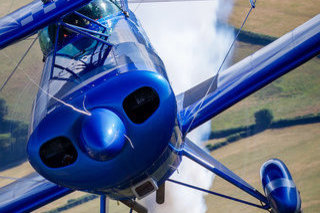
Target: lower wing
<point x="29" y="193"/>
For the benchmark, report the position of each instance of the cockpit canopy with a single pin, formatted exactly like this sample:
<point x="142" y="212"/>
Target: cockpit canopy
<point x="96" y="9"/>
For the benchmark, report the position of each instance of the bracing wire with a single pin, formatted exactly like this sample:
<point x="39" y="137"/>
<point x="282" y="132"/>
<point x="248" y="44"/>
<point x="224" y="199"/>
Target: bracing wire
<point x="18" y="64"/>
<point x="252" y="2"/>
<point x="37" y="85"/>
<point x="57" y="99"/>
<point x="140" y="2"/>
<point x="120" y="8"/>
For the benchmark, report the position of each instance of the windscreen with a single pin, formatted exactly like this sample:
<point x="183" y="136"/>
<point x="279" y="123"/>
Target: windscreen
<point x="96" y="10"/>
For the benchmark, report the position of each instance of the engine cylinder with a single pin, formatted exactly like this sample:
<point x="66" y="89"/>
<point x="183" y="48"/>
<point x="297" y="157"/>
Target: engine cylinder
<point x="279" y="187"/>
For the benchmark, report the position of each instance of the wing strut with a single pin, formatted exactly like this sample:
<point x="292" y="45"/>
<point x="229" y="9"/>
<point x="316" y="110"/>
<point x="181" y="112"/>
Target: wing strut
<point x="219" y="195"/>
<point x="198" y="155"/>
<point x="104" y="204"/>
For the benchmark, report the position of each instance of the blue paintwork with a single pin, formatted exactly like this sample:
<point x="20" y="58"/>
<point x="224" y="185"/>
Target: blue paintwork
<point x="130" y="64"/>
<point x="104" y="74"/>
<point x="103" y="207"/>
<point x="32" y="17"/>
<point x="102" y="134"/>
<point x="279" y="187"/>
<point x="29" y="193"/>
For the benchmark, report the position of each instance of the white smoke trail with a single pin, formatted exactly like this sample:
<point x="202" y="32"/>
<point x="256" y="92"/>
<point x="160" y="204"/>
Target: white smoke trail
<point x="192" y="45"/>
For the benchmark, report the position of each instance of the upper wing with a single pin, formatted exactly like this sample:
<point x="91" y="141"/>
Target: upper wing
<point x="32" y="17"/>
<point x="248" y="75"/>
<point x="29" y="193"/>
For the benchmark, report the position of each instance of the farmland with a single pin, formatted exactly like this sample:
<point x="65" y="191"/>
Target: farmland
<point x="295" y="94"/>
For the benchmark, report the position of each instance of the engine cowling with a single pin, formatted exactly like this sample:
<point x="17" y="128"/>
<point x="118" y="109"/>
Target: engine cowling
<point x="279" y="187"/>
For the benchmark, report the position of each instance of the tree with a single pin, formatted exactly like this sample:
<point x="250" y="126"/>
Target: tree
<point x="263" y="119"/>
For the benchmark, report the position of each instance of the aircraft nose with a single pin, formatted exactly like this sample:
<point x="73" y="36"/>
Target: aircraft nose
<point x="102" y="134"/>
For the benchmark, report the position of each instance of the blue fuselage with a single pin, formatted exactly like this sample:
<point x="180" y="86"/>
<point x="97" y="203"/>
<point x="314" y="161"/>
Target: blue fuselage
<point x="128" y="81"/>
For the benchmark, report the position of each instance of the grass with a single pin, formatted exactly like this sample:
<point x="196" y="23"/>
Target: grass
<point x="60" y="202"/>
<point x="10" y="6"/>
<point x="298" y="147"/>
<point x="91" y="206"/>
<point x="273" y="17"/>
<point x="5" y="136"/>
<point x="270" y="17"/>
<point x="16" y="172"/>
<point x="19" y="92"/>
<point x="292" y="95"/>
<point x="245" y="158"/>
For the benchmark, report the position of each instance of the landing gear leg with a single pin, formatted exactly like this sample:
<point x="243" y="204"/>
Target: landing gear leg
<point x="160" y="194"/>
<point x="104" y="204"/>
<point x="133" y="205"/>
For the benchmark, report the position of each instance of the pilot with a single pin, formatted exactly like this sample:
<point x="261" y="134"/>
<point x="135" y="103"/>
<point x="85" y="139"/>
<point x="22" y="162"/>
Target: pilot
<point x="95" y="10"/>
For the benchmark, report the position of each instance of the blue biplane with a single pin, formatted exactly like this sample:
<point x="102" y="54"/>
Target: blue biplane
<point x="106" y="120"/>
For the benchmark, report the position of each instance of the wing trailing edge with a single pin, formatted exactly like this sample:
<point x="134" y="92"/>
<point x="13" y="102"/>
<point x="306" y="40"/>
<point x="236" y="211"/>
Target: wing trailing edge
<point x="29" y="193"/>
<point x="249" y="75"/>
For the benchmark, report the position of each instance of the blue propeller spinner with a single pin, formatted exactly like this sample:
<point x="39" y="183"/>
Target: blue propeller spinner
<point x="103" y="134"/>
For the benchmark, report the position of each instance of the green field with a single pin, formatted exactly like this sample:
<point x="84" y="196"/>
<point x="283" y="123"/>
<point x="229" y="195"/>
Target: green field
<point x="293" y="95"/>
<point x="274" y="17"/>
<point x="296" y="93"/>
<point x="298" y="147"/>
<point x="19" y="92"/>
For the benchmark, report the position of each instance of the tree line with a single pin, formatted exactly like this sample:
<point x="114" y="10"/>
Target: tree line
<point x="263" y="120"/>
<point x="13" y="139"/>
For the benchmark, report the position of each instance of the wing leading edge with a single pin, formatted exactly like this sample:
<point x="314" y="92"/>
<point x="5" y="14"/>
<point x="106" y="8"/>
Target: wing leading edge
<point x="249" y="75"/>
<point x="32" y="17"/>
<point x="29" y="193"/>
